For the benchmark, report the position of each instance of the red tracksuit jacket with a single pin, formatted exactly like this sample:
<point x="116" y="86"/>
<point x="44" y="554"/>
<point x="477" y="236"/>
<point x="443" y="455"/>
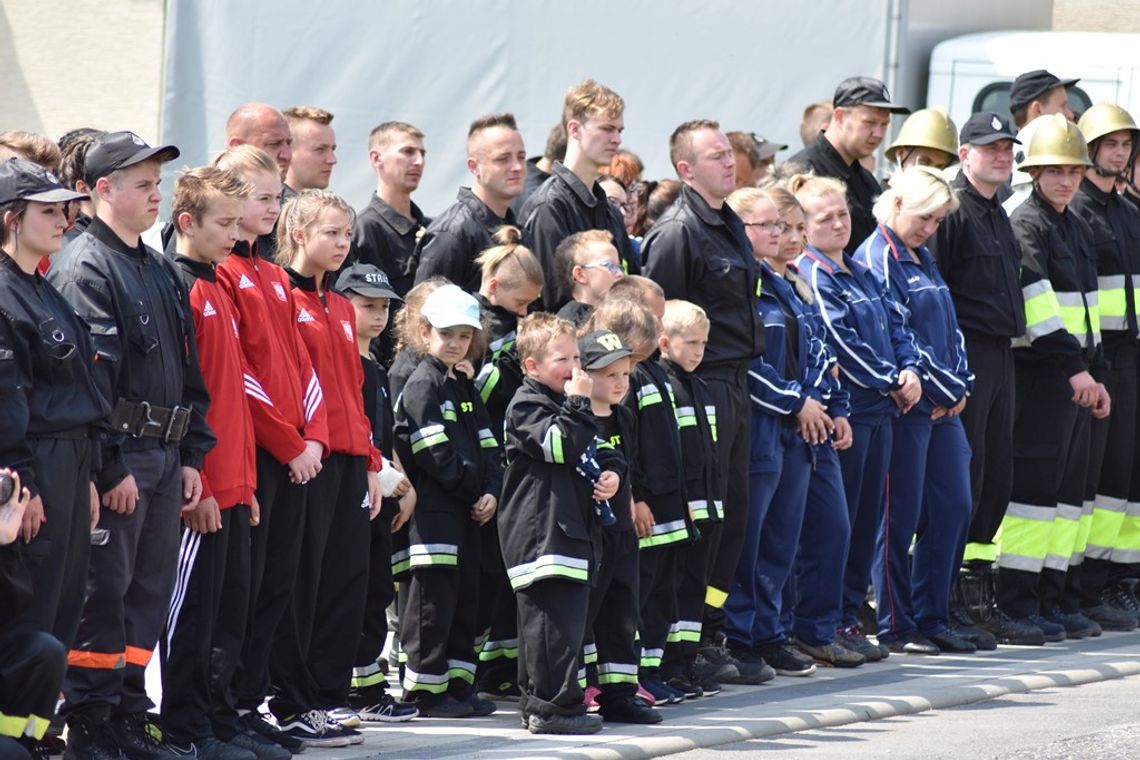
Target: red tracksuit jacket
<point x="274" y="351"/>
<point x="327" y="324"/>
<point x="229" y="473"/>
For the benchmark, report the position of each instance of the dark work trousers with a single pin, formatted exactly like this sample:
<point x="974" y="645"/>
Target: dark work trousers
<point x="437" y="626"/>
<point x="275" y="552"/>
<point x="368" y="684"/>
<point x="691" y="573"/>
<point x="1059" y="591"/>
<point x="657" y="592"/>
<point x="497" y="617"/>
<point x="129" y="581"/>
<point x="205" y="626"/>
<point x="728" y="387"/>
<point x="612" y="617"/>
<point x="988" y="422"/>
<point x="812" y="602"/>
<point x="928" y="500"/>
<point x="1044" y="430"/>
<point x="1126" y="552"/>
<point x="32" y="664"/>
<point x="1114" y="443"/>
<point x="311" y="664"/>
<point x="57" y="557"/>
<point x="864" y="468"/>
<point x="552" y="623"/>
<point x="774" y="524"/>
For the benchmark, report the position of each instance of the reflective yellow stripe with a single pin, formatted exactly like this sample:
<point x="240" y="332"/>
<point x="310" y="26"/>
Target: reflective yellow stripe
<point x="980" y="553"/>
<point x="1042" y="312"/>
<point x="1105" y="526"/>
<point x="1063" y="536"/>
<point x="714" y="597"/>
<point x="1024" y="533"/>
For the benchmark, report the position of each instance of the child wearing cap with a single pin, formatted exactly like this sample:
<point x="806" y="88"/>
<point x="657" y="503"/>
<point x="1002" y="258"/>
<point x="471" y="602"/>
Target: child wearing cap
<point x="546" y="525"/>
<point x="444" y="439"/>
<point x="587" y="265"/>
<point x="611" y="624"/>
<point x="207" y="618"/>
<point x="370" y="292"/>
<point x="315" y="645"/>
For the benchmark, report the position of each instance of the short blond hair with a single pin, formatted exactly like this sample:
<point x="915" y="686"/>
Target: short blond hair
<point x="812" y="186"/>
<point x="923" y="190"/>
<point x="382" y="134"/>
<point x="538" y="331"/>
<point x="635" y="287"/>
<point x="745" y="199"/>
<point x="590" y="100"/>
<point x="306" y="113"/>
<point x="245" y="159"/>
<point x="510" y="261"/>
<point x="681" y="141"/>
<point x="683" y="315"/>
<point x="630" y="319"/>
<point x="198" y="189"/>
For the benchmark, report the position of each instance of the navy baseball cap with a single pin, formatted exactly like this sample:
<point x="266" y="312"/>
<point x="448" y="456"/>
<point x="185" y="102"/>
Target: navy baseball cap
<point x="1032" y="85"/>
<point x="865" y="91"/>
<point x="601" y="348"/>
<point x="985" y="127"/>
<point x="365" y="280"/>
<point x="120" y="150"/>
<point x="23" y="180"/>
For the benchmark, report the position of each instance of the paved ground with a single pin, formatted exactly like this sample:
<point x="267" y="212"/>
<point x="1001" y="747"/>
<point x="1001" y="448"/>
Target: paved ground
<point x="901" y="686"/>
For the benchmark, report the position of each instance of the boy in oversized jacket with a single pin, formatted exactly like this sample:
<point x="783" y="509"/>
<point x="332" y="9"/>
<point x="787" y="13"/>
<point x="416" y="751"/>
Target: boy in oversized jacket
<point x="545" y="526"/>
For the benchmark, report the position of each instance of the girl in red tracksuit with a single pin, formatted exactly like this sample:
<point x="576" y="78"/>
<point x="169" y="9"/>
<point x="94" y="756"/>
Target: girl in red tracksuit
<point x="313" y="657"/>
<point x="292" y="433"/>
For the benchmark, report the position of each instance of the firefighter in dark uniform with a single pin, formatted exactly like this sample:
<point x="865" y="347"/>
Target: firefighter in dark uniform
<point x="1058" y="362"/>
<point x="138" y="313"/>
<point x="979" y="258"/>
<point x="859" y="122"/>
<point x="1112" y="136"/>
<point x="927" y="138"/>
<point x="697" y="251"/>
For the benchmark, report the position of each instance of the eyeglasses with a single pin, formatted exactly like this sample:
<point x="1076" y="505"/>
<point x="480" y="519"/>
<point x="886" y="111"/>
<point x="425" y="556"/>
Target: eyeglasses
<point x="776" y="226"/>
<point x="610" y="266"/>
<point x="625" y="208"/>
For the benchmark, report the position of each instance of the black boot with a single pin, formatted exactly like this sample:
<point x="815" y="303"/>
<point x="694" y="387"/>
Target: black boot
<point x="89" y="739"/>
<point x="967" y="597"/>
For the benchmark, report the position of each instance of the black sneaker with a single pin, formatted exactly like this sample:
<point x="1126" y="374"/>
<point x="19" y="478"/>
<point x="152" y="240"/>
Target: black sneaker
<point x="505" y="691"/>
<point x="964" y="627"/>
<point x="252" y="724"/>
<point x="715" y="651"/>
<point x="448" y="707"/>
<point x="785" y="659"/>
<point x="951" y="641"/>
<point x="1006" y="630"/>
<point x="1122" y="596"/>
<point x="705" y="669"/>
<point x="312" y="729"/>
<point x="89" y="739"/>
<point x="852" y="638"/>
<point x="913" y="642"/>
<point x="629" y="710"/>
<point x="564" y="724"/>
<point x="211" y="748"/>
<point x="679" y="682"/>
<point x="1110" y="618"/>
<point x="1076" y="625"/>
<point x="387" y="709"/>
<point x="1053" y="632"/>
<point x="138" y="737"/>
<point x="832" y="655"/>
<point x="480" y="707"/>
<point x="262" y="748"/>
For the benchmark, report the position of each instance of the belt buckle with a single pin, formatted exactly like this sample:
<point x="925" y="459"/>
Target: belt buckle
<point x="147" y="421"/>
<point x="172" y="421"/>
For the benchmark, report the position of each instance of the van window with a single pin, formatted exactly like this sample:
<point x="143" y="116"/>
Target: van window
<point x="995" y="97"/>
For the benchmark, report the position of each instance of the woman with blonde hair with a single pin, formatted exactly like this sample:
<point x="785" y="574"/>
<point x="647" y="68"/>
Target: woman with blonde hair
<point x="930" y="463"/>
<point x="880" y="363"/>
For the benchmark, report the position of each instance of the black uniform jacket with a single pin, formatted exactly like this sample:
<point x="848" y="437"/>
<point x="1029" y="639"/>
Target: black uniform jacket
<point x="385" y="238"/>
<point x="47" y="383"/>
<point x="139" y="314"/>
<point x="862" y="188"/>
<point x="455" y="238"/>
<point x="696" y="418"/>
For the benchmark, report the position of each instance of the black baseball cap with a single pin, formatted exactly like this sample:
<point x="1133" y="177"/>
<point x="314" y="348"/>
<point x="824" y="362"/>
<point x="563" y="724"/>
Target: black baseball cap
<point x="601" y="348"/>
<point x="865" y="91"/>
<point x="1032" y="85"/>
<point x="365" y="280"/>
<point x="767" y="148"/>
<point x="119" y="150"/>
<point x="985" y="127"/>
<point x="23" y="180"/>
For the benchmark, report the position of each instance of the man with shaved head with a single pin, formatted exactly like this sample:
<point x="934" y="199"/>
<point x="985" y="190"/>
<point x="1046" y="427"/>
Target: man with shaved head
<point x="261" y="126"/>
<point x="496" y="159"/>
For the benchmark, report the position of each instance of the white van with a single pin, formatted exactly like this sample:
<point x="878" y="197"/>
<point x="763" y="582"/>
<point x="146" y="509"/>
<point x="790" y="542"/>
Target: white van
<point x="973" y="73"/>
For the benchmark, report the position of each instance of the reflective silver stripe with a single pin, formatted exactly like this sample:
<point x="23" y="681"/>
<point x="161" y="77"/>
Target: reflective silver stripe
<point x="1019" y="562"/>
<point x="1110" y="282"/>
<point x="1031" y="512"/>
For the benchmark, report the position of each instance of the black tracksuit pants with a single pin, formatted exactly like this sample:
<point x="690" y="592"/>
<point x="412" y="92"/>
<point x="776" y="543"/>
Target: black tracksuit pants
<point x="552" y="625"/>
<point x="657" y="587"/>
<point x="275" y="551"/>
<point x="691" y="578"/>
<point x="368" y="682"/>
<point x="129" y="581"/>
<point x="205" y="628"/>
<point x="612" y="618"/>
<point x="315" y="646"/>
<point x="497" y="617"/>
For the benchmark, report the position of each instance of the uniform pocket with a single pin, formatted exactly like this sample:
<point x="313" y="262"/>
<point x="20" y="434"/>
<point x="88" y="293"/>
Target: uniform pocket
<point x="141" y="332"/>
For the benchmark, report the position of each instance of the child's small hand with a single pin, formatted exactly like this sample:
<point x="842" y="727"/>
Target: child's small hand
<point x="484" y="509"/>
<point x="12" y="511"/>
<point x="407" y="507"/>
<point x="607" y="485"/>
<point x="643" y="521"/>
<point x="466" y="367"/>
<point x="579" y="384"/>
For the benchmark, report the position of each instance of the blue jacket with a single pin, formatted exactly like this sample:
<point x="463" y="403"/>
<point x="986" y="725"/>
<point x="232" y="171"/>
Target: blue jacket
<point x="770" y="390"/>
<point x="866" y="329"/>
<point x="919" y="287"/>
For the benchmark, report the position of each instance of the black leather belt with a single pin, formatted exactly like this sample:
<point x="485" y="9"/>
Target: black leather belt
<point x="140" y="419"/>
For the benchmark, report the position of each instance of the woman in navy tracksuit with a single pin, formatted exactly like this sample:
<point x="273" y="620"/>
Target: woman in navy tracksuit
<point x="879" y="358"/>
<point x="788" y="417"/>
<point x="929" y="493"/>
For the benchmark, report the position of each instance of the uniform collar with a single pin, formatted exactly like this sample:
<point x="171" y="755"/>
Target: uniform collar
<point x="543" y="389"/>
<point x="1095" y="193"/>
<point x="199" y="269"/>
<point x="701" y="208"/>
<point x="298" y="280"/>
<point x="482" y="211"/>
<point x="397" y="221"/>
<point x="966" y="187"/>
<point x="1038" y="201"/>
<point x="245" y="249"/>
<point x="828" y="152"/>
<point x="8" y="262"/>
<point x="820" y="259"/>
<point x="585" y="194"/>
<point x="105" y="235"/>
